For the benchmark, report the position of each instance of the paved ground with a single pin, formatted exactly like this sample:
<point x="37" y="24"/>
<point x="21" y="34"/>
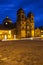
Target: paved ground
<point x="21" y="53"/>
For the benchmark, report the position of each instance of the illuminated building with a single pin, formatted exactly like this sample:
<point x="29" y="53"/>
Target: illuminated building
<point x="37" y="32"/>
<point x="25" y="25"/>
<point x="22" y="28"/>
<point x="7" y="29"/>
<point x="41" y="30"/>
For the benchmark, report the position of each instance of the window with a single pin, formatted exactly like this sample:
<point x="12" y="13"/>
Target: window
<point x="41" y="33"/>
<point x="9" y="32"/>
<point x="22" y="16"/>
<point x="27" y="27"/>
<point x="32" y="18"/>
<point x="27" y="23"/>
<point x="23" y="27"/>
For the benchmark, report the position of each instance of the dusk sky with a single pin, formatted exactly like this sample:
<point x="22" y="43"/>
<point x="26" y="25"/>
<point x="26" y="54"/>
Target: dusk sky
<point x="10" y="7"/>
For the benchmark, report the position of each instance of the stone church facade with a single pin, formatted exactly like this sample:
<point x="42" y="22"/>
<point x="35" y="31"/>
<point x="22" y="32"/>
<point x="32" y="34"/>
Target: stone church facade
<point x="25" y="25"/>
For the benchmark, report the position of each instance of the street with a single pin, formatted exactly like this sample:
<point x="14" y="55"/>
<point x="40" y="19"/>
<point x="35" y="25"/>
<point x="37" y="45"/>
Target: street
<point x="21" y="52"/>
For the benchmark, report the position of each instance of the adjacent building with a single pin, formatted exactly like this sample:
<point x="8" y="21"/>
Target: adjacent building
<point x="7" y="29"/>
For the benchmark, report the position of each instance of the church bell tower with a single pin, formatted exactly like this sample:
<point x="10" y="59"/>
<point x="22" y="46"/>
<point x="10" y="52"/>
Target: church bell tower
<point x="31" y="19"/>
<point x="21" y="24"/>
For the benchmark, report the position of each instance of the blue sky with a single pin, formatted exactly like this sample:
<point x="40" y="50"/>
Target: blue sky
<point x="10" y="7"/>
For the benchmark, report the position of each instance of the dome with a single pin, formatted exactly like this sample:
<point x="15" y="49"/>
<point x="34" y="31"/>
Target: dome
<point x="7" y="20"/>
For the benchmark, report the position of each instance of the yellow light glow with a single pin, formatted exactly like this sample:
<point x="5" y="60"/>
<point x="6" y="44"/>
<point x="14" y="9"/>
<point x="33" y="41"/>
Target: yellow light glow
<point x="31" y="38"/>
<point x="9" y="36"/>
<point x="14" y="36"/>
<point x="41" y="30"/>
<point x="5" y="37"/>
<point x="4" y="31"/>
<point x="42" y="36"/>
<point x="32" y="33"/>
<point x="6" y="23"/>
<point x="23" y="34"/>
<point x="9" y="32"/>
